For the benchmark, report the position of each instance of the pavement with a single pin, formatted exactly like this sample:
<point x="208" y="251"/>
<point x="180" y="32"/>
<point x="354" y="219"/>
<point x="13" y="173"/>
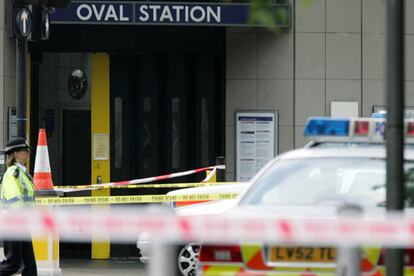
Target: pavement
<point x="72" y="267"/>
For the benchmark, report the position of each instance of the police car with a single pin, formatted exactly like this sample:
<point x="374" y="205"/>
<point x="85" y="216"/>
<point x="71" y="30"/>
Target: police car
<point x="186" y="255"/>
<point x="344" y="164"/>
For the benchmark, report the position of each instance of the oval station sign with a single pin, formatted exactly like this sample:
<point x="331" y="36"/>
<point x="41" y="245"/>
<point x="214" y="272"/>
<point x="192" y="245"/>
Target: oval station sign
<point x="163" y="13"/>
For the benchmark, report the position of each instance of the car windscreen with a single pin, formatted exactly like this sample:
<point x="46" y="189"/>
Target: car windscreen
<point x="326" y="181"/>
<point x="346" y="145"/>
<point x="331" y="145"/>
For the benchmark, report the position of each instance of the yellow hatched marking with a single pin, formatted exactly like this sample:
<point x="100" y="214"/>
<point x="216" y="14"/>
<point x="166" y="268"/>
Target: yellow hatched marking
<point x="227" y="270"/>
<point x="407" y="271"/>
<point x="249" y="251"/>
<point x="372" y="254"/>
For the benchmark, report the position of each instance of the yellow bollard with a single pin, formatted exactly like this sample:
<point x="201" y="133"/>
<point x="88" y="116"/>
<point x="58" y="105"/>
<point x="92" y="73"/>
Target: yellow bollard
<point x="46" y="250"/>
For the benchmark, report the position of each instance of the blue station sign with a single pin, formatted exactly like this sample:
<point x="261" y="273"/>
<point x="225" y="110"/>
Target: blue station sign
<point x="163" y="13"/>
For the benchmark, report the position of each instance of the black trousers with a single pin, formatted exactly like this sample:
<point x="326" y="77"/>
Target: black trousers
<point x="18" y="253"/>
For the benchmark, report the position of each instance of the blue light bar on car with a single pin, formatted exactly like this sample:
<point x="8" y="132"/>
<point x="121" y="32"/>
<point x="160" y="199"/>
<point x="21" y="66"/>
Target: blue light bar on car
<point x="367" y="130"/>
<point x="327" y="127"/>
<point x="381" y="114"/>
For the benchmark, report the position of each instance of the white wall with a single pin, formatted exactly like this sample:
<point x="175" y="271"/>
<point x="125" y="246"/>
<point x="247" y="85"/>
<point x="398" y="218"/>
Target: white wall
<point x="334" y="52"/>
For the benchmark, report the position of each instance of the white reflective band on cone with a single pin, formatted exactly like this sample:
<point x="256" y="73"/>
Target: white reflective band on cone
<point x="42" y="160"/>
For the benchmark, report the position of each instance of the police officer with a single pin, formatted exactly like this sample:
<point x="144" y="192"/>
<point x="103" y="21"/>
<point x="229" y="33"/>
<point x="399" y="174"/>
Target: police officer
<point x="17" y="190"/>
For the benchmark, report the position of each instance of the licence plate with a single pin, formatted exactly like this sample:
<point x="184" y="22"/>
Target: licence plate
<point x="302" y="254"/>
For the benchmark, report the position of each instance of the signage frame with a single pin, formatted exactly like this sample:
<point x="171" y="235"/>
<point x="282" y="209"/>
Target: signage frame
<point x="61" y="12"/>
<point x="273" y="137"/>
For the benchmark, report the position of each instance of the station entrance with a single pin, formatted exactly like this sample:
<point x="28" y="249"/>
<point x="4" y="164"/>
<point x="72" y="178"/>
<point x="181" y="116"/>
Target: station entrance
<point x="173" y="107"/>
<point x="166" y="104"/>
<point x="173" y="102"/>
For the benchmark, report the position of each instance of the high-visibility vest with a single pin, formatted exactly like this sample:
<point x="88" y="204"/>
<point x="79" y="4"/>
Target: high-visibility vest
<point x="17" y="189"/>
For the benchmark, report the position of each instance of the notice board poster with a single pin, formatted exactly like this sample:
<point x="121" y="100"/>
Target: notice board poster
<point x="101" y="146"/>
<point x="256" y="142"/>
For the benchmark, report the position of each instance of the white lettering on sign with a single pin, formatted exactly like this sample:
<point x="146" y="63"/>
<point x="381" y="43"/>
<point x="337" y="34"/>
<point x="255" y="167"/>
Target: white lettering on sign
<point x="121" y="14"/>
<point x="111" y="14"/>
<point x="216" y="14"/>
<point x="99" y="14"/>
<point x="186" y="14"/>
<point x="201" y="14"/>
<point x="179" y="13"/>
<point x="166" y="14"/>
<point x="154" y="9"/>
<point x="143" y="10"/>
<point x="102" y="12"/>
<point x="80" y="12"/>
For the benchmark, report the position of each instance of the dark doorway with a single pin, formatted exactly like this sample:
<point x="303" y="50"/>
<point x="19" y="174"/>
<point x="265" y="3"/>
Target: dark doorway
<point x="76" y="165"/>
<point x="76" y="147"/>
<point x="166" y="116"/>
<point x="166" y="113"/>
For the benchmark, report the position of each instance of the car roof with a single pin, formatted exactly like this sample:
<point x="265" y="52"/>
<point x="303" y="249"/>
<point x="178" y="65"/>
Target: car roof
<point x="342" y="152"/>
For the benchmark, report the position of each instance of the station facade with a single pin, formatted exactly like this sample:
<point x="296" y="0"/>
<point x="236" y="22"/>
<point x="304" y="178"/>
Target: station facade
<point x="151" y="99"/>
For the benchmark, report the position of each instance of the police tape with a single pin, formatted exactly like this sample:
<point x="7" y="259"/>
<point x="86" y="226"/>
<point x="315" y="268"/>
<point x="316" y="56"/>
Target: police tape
<point x="144" y="180"/>
<point x="148" y="186"/>
<point x="134" y="199"/>
<point x="125" y="224"/>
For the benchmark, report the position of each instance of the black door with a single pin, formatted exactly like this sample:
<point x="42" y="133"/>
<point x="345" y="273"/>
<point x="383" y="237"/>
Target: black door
<point x="166" y="113"/>
<point x="76" y="147"/>
<point x="76" y="165"/>
<point x="166" y="116"/>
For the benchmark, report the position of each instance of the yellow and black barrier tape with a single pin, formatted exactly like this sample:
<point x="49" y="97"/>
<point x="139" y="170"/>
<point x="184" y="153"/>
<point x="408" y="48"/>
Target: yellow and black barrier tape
<point x="131" y="199"/>
<point x="140" y="186"/>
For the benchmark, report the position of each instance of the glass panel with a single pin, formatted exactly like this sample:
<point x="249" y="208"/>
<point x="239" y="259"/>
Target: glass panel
<point x="147" y="133"/>
<point x="176" y="139"/>
<point x="118" y="132"/>
<point x="204" y="133"/>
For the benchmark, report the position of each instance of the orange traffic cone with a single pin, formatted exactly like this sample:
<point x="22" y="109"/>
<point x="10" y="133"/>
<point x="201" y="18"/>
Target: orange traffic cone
<point x="42" y="173"/>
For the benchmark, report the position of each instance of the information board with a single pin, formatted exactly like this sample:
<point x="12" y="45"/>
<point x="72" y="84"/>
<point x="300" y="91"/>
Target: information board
<point x="256" y="141"/>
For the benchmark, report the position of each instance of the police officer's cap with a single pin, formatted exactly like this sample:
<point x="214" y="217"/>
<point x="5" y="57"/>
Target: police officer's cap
<point x="15" y="145"/>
